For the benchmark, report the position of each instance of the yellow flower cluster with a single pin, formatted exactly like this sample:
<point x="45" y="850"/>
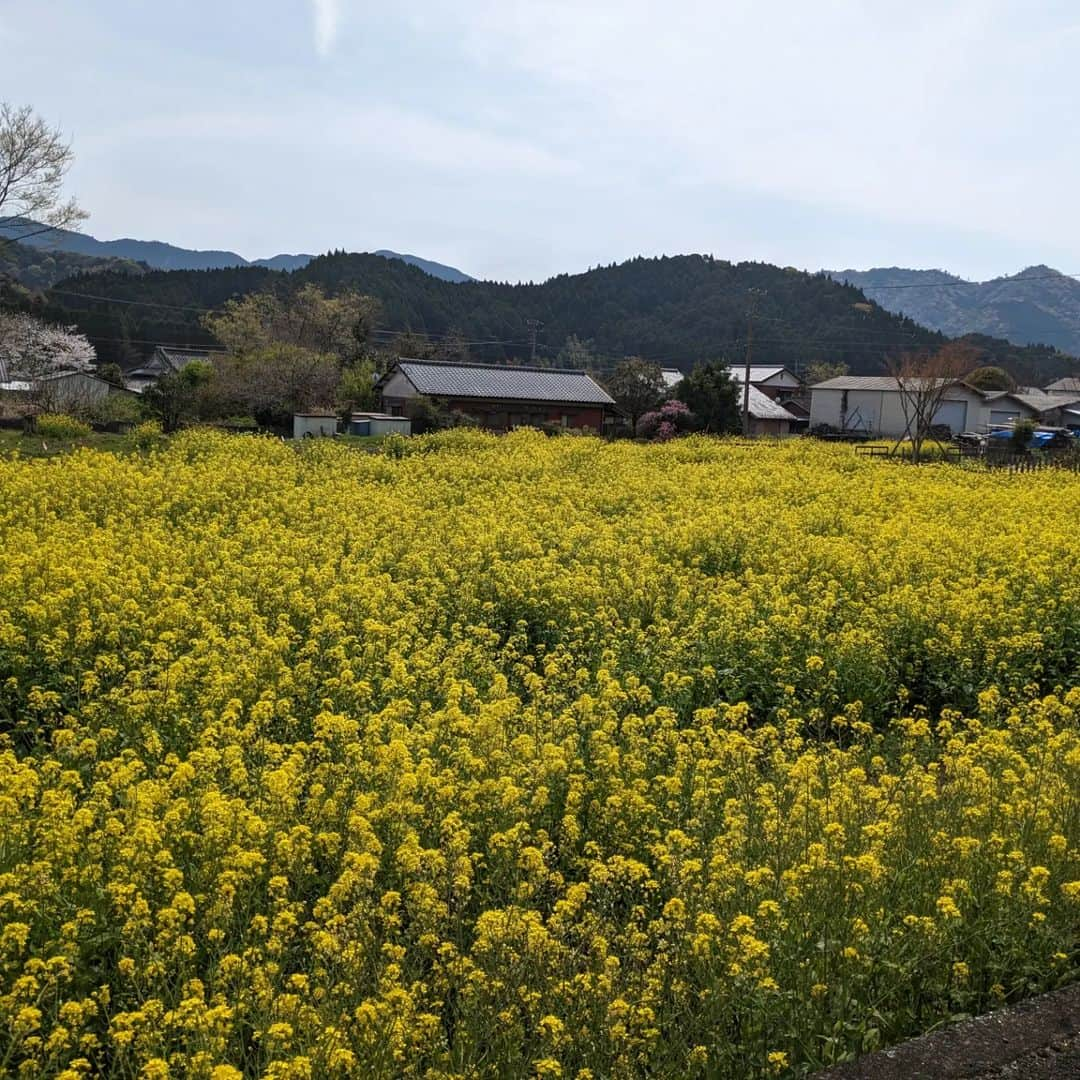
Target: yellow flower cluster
<point x="526" y="757"/>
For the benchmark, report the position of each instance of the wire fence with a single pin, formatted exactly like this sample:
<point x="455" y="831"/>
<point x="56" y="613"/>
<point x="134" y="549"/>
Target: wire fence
<point x="1064" y="460"/>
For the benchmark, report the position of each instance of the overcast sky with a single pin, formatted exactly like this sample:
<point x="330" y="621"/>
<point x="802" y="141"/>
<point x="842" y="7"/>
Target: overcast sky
<point x="517" y="140"/>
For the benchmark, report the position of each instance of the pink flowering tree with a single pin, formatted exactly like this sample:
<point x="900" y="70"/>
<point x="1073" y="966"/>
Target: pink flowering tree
<point x="671" y="419"/>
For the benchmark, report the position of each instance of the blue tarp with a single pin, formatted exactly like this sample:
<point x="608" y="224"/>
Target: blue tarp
<point x="1037" y="440"/>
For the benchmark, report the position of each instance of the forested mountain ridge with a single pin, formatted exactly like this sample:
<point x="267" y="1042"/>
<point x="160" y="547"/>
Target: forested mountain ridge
<point x="162" y="256"/>
<point x="1039" y="305"/>
<point x="676" y="310"/>
<point x="39" y="268"/>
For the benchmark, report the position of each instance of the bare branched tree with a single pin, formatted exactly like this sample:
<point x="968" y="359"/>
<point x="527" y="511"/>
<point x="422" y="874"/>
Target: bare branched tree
<point x="34" y="159"/>
<point x="924" y="379"/>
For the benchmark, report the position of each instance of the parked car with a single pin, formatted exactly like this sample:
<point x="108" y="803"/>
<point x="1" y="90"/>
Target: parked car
<point x="970" y="438"/>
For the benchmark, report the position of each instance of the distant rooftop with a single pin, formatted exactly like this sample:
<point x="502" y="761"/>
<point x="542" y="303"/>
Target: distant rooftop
<point x="1068" y="385"/>
<point x="180" y="357"/>
<point x="759" y="373"/>
<point x="762" y="407"/>
<point x="501" y="382"/>
<point x="873" y="382"/>
<point x="1038" y="400"/>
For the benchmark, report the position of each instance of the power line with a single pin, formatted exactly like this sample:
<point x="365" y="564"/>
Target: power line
<point x="761" y="318"/>
<point x="675" y="355"/>
<point x="134" y="303"/>
<point x="669" y="355"/>
<point x="201" y="346"/>
<point x="951" y="284"/>
<point x="454" y="338"/>
<point x="428" y="335"/>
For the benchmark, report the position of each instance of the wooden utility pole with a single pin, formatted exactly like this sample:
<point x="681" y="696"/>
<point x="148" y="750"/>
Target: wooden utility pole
<point x="754" y="294"/>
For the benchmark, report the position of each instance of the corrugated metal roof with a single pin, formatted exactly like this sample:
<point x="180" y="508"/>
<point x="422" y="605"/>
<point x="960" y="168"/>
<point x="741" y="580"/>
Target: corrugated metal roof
<point x="857" y="382"/>
<point x="1037" y="400"/>
<point x="69" y="374"/>
<point x="864" y="382"/>
<point x="22" y="385"/>
<point x="1041" y="402"/>
<point x="1068" y="385"/>
<point x="762" y="407"/>
<point x="504" y="383"/>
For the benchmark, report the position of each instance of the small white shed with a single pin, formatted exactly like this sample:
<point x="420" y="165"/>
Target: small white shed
<point x="313" y="425"/>
<point x="372" y="423"/>
<point x="379" y="423"/>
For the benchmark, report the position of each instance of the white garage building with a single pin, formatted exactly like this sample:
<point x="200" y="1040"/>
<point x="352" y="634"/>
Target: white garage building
<point x="873" y="404"/>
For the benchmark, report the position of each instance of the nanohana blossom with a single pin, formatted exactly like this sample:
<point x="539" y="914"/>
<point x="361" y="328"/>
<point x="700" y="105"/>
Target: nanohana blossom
<point x="526" y="756"/>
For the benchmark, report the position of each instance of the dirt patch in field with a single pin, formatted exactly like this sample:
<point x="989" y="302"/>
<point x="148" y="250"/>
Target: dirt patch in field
<point x="1035" y="1040"/>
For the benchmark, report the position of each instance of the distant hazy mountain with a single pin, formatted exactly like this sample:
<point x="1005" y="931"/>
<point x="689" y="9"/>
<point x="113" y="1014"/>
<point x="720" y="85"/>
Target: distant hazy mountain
<point x="1037" y="306"/>
<point x="162" y="256"/>
<point x="446" y="273"/>
<point x="280" y="262"/>
<point x="154" y="253"/>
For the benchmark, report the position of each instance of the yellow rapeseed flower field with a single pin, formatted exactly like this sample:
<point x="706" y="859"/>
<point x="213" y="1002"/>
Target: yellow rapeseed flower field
<point x="526" y="757"/>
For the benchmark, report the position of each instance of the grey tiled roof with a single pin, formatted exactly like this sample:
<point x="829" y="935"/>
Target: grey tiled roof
<point x="502" y="382"/>
<point x="180" y="358"/>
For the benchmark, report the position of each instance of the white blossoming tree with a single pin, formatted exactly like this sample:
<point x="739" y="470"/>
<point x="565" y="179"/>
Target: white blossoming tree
<point x="32" y="350"/>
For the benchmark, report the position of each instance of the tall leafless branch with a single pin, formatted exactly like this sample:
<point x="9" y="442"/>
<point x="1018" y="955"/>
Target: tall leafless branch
<point x="924" y="379"/>
<point x="34" y="160"/>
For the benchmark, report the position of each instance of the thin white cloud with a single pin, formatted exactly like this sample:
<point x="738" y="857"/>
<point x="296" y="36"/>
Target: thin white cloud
<point x="377" y="135"/>
<point x="527" y="138"/>
<point x="327" y="24"/>
<point x="867" y="109"/>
